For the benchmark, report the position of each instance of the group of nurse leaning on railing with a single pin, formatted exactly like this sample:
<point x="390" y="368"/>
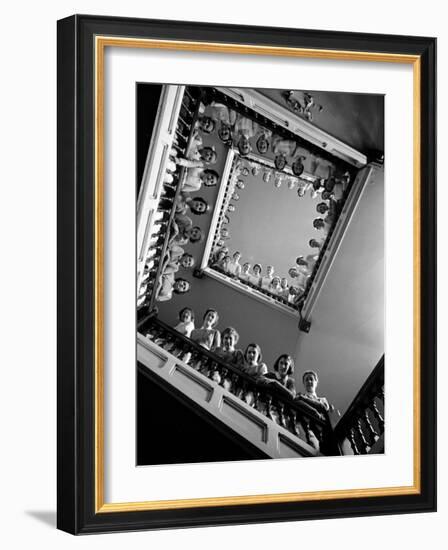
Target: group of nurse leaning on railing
<point x="164" y="250"/>
<point x="243" y="373"/>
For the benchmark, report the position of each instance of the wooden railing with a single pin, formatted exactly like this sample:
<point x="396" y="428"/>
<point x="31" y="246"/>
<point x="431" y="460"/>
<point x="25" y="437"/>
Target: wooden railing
<point x="270" y="399"/>
<point x="362" y="426"/>
<point x="267" y="113"/>
<point x="159" y="240"/>
<point x="259" y="289"/>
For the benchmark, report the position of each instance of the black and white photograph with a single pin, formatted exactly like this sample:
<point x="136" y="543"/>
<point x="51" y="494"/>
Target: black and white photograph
<point x="260" y="274"/>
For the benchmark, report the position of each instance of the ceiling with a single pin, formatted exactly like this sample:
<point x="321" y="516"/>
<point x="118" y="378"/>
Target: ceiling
<point x="356" y="119"/>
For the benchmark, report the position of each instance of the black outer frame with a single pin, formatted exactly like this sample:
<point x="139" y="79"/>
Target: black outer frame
<point x="75" y="403"/>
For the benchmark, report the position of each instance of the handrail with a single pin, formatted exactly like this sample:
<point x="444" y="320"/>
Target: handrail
<point x="259" y="289"/>
<point x="277" y="404"/>
<point x="363" y="424"/>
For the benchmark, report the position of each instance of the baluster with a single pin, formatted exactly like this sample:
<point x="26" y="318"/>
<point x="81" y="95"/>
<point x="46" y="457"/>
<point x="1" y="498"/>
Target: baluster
<point x="182" y="121"/>
<point x="214" y="373"/>
<point x="186" y="357"/>
<point x="351" y="438"/>
<point x="157" y="334"/>
<point x="151" y="270"/>
<point x="153" y="333"/>
<point x="235" y="386"/>
<point x="149" y="287"/>
<point x="176" y="179"/>
<point x="178" y="348"/>
<point x="260" y="403"/>
<point x="223" y="373"/>
<point x="186" y="109"/>
<point x="199" y="362"/>
<point x="181" y="353"/>
<point x="145" y="277"/>
<point x="256" y="401"/>
<point x="250" y="394"/>
<point x="281" y="415"/>
<point x="159" y="341"/>
<point x="294" y="425"/>
<point x="241" y="389"/>
<point x="167" y="342"/>
<point x="145" y="284"/>
<point x="310" y="435"/>
<point x="188" y="99"/>
<point x="155" y="266"/>
<point x="184" y="352"/>
<point x="378" y="416"/>
<point x="318" y="432"/>
<point x="370" y="429"/>
<point x="253" y="390"/>
<point x="180" y="136"/>
<point x="269" y="406"/>
<point x="149" y="279"/>
<point x="170" y="344"/>
<point x="162" y="339"/>
<point x="225" y="379"/>
<point x="246" y="395"/>
<point x="196" y="361"/>
<point x="259" y="400"/>
<point x="169" y="190"/>
<point x="205" y="367"/>
<point x="365" y="447"/>
<point x="274" y="412"/>
<point x="176" y="146"/>
<point x="149" y="334"/>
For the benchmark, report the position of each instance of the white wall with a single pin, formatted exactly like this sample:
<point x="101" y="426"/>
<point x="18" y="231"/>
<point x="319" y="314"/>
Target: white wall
<point x="27" y="400"/>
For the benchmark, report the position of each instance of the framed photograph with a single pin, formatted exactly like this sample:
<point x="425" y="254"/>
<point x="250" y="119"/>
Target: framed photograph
<point x="246" y="274"/>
